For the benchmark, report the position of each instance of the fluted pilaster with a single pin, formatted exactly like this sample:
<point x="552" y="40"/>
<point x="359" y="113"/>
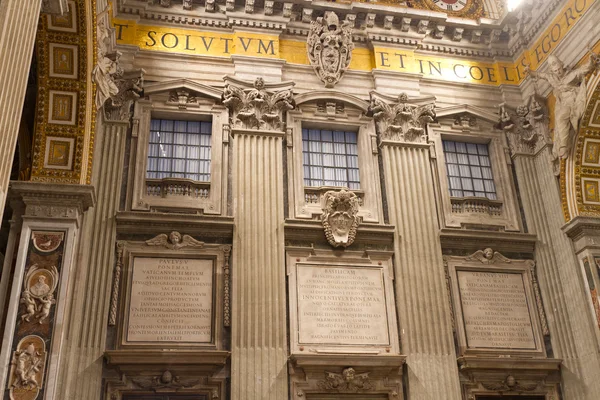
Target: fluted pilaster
<point x="421" y="298"/>
<point x="569" y="320"/>
<point x="18" y="25"/>
<point x="82" y="375"/>
<point x="259" y="340"/>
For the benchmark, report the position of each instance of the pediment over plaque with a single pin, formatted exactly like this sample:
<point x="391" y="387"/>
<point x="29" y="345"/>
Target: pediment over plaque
<point x="496" y="305"/>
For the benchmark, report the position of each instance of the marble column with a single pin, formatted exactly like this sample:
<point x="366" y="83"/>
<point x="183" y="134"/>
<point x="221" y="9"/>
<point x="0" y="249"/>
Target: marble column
<point x="51" y="221"/>
<point x="81" y="377"/>
<point x="421" y="298"/>
<point x="259" y="338"/>
<point x="572" y="326"/>
<point x="18" y="25"/>
<point x="561" y="283"/>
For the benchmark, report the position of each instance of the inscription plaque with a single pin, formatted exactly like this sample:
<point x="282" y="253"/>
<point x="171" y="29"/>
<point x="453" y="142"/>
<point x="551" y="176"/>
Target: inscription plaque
<point x="495" y="310"/>
<point x="341" y="305"/>
<point x="171" y="300"/>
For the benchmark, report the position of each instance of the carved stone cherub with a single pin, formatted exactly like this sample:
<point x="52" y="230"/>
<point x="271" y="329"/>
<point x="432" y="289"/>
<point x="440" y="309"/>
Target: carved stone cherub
<point x="27" y="363"/>
<point x="174" y="241"/>
<point x="487" y="256"/>
<point x="30" y="305"/>
<point x="347" y="381"/>
<point x="569" y="88"/>
<point x="45" y="307"/>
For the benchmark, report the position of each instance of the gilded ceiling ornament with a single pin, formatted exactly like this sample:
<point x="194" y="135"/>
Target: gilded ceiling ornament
<point x="487" y="256"/>
<point x="27" y="368"/>
<point x="464" y="8"/>
<point x="402" y="121"/>
<point x="256" y="108"/>
<point x="38" y="293"/>
<point x="569" y="88"/>
<point x="329" y="47"/>
<point x="347" y="381"/>
<point x="340" y="217"/>
<point x="174" y="241"/>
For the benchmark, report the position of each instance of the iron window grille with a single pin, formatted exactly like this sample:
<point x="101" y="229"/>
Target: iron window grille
<point x="469" y="170"/>
<point x="330" y="158"/>
<point x="179" y="149"/>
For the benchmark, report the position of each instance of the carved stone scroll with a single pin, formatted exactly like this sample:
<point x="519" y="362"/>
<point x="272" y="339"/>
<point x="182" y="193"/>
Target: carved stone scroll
<point x="402" y="121"/>
<point x="257" y="108"/>
<point x="329" y="46"/>
<point x="340" y="217"/>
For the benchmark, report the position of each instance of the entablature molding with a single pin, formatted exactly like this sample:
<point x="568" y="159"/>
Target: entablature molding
<point x="465" y="240"/>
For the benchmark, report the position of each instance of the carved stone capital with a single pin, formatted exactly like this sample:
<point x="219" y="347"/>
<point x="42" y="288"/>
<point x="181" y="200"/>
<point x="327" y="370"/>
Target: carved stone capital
<point x="526" y="127"/>
<point x="402" y="120"/>
<point x="329" y="47"/>
<point x="256" y="107"/>
<point x="44" y="200"/>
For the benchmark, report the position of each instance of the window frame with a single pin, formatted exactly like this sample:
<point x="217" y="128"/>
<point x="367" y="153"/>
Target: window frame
<point x="457" y="212"/>
<point x="306" y="202"/>
<point x="207" y="197"/>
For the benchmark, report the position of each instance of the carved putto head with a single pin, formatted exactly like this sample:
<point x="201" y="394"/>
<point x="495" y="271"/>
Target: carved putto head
<point x="340" y="217"/>
<point x="556" y="66"/>
<point x="329" y="46"/>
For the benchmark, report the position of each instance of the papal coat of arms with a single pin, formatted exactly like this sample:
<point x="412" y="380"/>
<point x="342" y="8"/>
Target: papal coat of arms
<point x="330" y="47"/>
<point x="340" y="217"/>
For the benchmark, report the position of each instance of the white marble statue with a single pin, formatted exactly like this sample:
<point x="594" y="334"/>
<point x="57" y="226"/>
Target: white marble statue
<point x="569" y="88"/>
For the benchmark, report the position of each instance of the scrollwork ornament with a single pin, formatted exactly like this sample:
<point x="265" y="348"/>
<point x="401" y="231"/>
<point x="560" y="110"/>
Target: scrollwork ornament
<point x="402" y="121"/>
<point x="340" y="217"/>
<point x="329" y="46"/>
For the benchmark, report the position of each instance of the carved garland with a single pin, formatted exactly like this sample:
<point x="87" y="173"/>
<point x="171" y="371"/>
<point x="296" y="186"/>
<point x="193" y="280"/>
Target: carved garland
<point x="114" y="301"/>
<point x="226" y="287"/>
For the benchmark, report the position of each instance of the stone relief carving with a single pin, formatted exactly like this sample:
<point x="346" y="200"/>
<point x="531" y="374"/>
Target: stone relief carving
<point x="38" y="293"/>
<point x="347" y="381"/>
<point x="340" y="217"/>
<point x="27" y="368"/>
<point x="47" y="242"/>
<point x="114" y="299"/>
<point x="569" y="88"/>
<point x="183" y="98"/>
<point x="528" y="129"/>
<point x="510" y="384"/>
<point x="226" y="286"/>
<point x="165" y="381"/>
<point x="174" y="241"/>
<point x="402" y="121"/>
<point x="115" y="89"/>
<point x="329" y="46"/>
<point x="256" y="108"/>
<point x="487" y="256"/>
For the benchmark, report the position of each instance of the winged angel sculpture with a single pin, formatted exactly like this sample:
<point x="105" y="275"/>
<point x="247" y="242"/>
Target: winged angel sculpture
<point x="510" y="384"/>
<point x="487" y="256"/>
<point x="402" y="121"/>
<point x="329" y="47"/>
<point x="174" y="241"/>
<point x="165" y="381"/>
<point x="256" y="108"/>
<point x="347" y="381"/>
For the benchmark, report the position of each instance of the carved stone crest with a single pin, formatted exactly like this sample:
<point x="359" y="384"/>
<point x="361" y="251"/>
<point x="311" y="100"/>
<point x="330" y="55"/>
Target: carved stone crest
<point x="347" y="381"/>
<point x="256" y="108"/>
<point x="27" y="368"/>
<point x="38" y="293"/>
<point x="165" y="381"/>
<point x="340" y="217"/>
<point x="510" y="384"/>
<point x="329" y="47"/>
<point x="174" y="241"/>
<point x="402" y="121"/>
